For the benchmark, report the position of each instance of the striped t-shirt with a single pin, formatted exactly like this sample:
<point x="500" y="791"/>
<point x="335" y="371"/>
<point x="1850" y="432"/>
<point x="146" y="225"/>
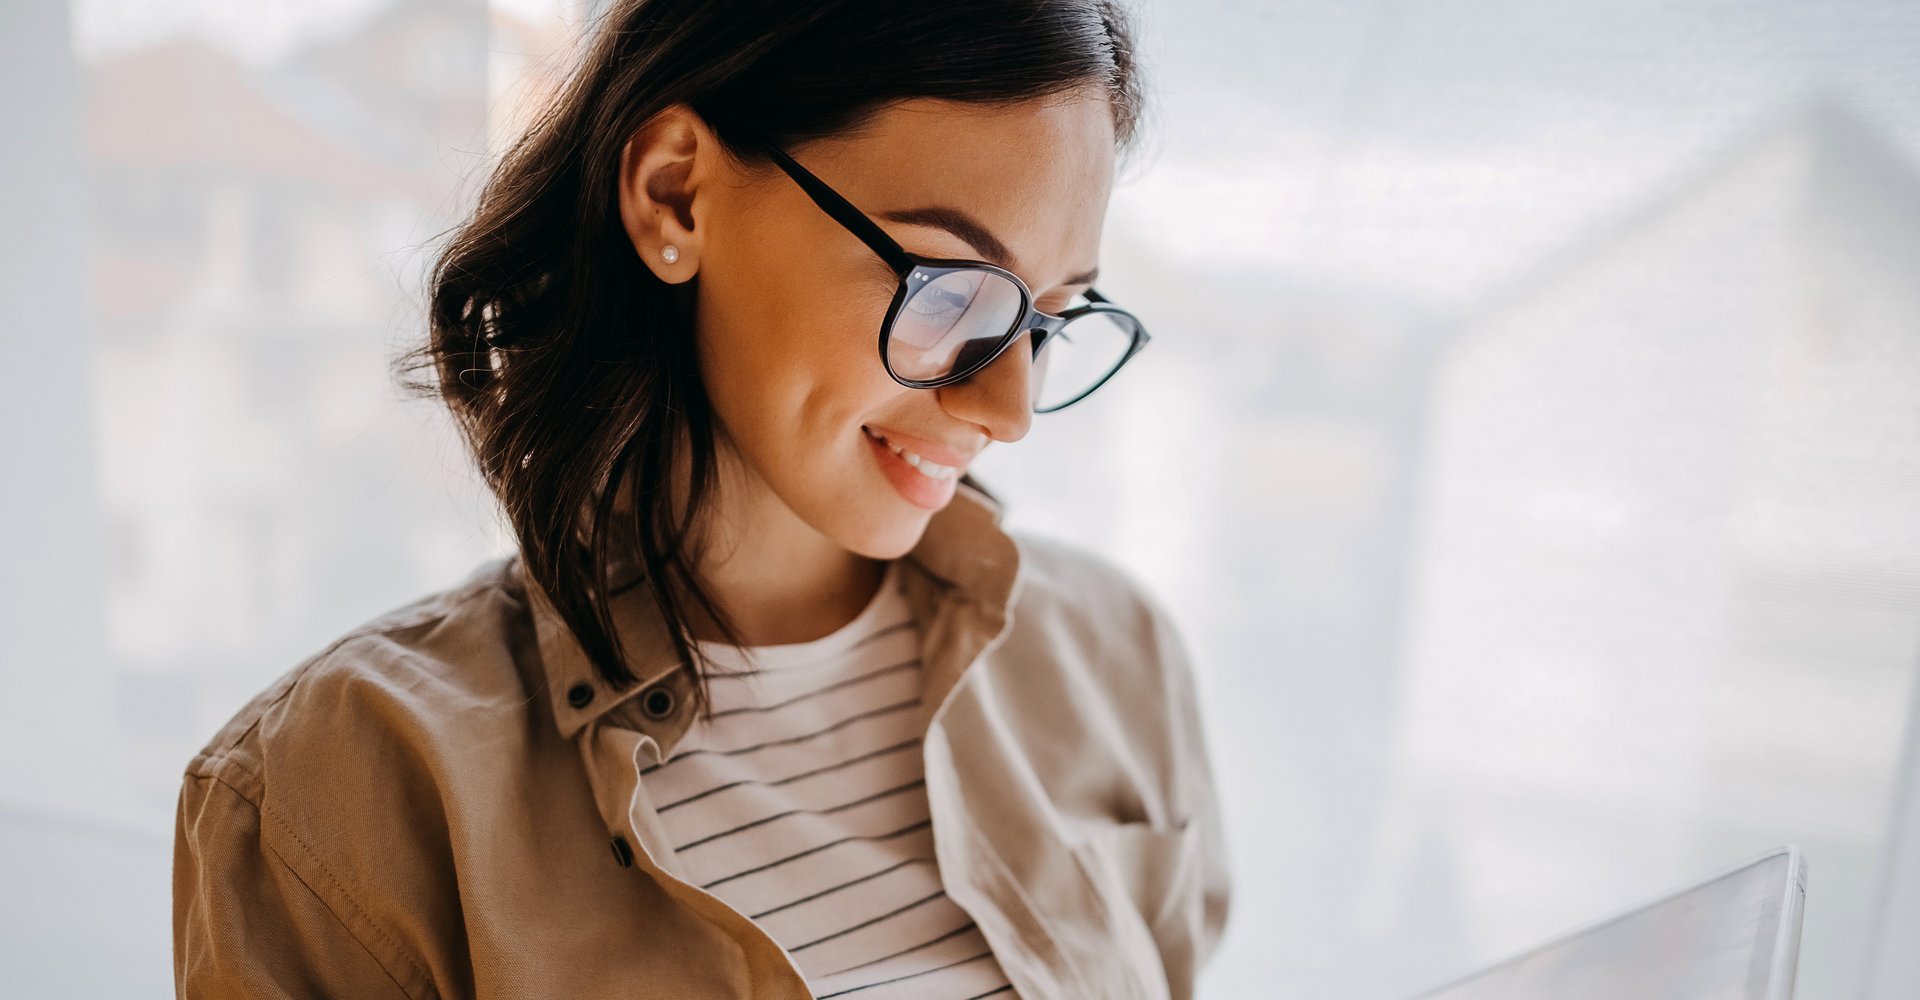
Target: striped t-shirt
<point x="802" y="804"/>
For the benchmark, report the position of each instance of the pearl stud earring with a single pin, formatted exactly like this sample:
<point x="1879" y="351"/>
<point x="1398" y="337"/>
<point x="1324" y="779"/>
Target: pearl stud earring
<point x="669" y="253"/>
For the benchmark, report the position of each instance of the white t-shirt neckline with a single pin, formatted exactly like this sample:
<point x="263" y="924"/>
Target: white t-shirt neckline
<point x="885" y="609"/>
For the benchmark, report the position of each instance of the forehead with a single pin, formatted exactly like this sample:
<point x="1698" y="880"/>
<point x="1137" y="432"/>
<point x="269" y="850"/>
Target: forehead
<point x="1038" y="174"/>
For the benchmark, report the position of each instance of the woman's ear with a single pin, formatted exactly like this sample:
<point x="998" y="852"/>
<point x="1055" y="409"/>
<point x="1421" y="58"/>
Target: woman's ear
<point x="664" y="191"/>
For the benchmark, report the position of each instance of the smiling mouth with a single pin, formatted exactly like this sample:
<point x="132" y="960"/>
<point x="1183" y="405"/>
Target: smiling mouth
<point x="926" y="467"/>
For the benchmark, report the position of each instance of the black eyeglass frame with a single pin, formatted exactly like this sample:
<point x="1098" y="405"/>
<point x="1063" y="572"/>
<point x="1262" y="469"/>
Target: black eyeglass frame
<point x="916" y="271"/>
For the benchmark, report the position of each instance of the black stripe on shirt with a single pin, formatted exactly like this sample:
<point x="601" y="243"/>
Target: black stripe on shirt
<point x="962" y="929"/>
<point x="814" y="850"/>
<point x="833" y="889"/>
<point x="849" y="720"/>
<point x="870" y="921"/>
<point x="795" y="812"/>
<point x="911" y="975"/>
<point x="792" y="777"/>
<point x="836" y="685"/>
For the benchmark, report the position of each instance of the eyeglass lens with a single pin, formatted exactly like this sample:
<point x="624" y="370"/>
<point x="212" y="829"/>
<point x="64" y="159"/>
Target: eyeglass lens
<point x="950" y="323"/>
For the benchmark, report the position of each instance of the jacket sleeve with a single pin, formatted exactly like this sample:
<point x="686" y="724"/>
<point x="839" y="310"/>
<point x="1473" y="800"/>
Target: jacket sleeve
<point x="244" y="923"/>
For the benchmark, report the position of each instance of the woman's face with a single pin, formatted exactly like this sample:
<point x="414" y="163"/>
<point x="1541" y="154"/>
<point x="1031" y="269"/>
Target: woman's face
<point x="789" y="303"/>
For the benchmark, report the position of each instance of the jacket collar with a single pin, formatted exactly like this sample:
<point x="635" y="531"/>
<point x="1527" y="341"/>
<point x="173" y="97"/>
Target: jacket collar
<point x="964" y="548"/>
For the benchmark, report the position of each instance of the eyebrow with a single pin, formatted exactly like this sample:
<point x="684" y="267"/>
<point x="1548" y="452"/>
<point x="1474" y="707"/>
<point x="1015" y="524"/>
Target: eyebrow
<point x="976" y="236"/>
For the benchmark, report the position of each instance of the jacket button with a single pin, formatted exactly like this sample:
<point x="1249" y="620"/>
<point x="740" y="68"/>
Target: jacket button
<point x="579" y="694"/>
<point x="621" y="852"/>
<point x="657" y="703"/>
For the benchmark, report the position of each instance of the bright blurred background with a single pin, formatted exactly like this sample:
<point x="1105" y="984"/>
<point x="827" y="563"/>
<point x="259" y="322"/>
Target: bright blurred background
<point x="1529" y="447"/>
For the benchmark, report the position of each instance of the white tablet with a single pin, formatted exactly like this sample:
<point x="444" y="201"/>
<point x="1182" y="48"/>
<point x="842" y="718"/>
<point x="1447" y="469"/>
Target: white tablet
<point x="1732" y="936"/>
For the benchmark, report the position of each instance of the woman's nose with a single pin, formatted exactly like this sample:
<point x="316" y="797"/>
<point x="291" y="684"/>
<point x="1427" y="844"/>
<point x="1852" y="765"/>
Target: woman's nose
<point x="998" y="397"/>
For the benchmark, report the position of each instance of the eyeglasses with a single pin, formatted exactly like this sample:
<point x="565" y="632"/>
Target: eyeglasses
<point x="951" y="317"/>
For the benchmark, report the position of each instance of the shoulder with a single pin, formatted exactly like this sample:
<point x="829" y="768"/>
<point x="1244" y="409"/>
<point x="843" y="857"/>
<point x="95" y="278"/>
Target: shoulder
<point x="1092" y="660"/>
<point x="393" y="680"/>
<point x="1067" y="575"/>
<point x="1075" y="589"/>
<point x="316" y="820"/>
<point x="1101" y="623"/>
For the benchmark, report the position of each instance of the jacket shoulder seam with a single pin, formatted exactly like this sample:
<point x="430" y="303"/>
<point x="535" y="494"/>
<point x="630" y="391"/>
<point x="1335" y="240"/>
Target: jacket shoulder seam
<point x="215" y="759"/>
<point x="399" y="954"/>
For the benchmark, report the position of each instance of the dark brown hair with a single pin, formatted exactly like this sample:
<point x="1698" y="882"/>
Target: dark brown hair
<point x="569" y="366"/>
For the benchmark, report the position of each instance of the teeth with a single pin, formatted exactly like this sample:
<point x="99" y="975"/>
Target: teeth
<point x="927" y="467"/>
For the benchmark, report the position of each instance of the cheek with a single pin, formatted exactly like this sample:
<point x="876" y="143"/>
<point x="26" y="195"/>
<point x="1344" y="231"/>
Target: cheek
<point x="789" y="351"/>
<point x="828" y="340"/>
<point x="796" y="374"/>
<point x="799" y="321"/>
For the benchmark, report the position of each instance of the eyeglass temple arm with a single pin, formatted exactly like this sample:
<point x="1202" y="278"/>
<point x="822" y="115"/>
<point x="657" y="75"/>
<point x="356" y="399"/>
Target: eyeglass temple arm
<point x="1140" y="329"/>
<point x="855" y="220"/>
<point x="843" y="211"/>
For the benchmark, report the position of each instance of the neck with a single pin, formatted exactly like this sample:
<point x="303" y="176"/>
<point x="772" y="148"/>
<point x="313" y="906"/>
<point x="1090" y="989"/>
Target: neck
<point x="778" y="580"/>
<point x="781" y="581"/>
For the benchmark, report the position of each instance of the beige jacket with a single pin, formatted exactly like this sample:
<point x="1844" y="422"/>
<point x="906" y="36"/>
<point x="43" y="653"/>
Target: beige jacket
<point x="446" y="801"/>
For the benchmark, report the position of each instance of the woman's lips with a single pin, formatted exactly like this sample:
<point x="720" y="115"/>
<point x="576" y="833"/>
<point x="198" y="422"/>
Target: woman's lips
<point x="918" y="488"/>
<point x="946" y="455"/>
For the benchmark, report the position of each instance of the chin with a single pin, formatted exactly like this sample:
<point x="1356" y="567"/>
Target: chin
<point x="889" y="535"/>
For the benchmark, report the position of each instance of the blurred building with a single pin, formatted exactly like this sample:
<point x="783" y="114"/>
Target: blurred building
<point x="258" y="235"/>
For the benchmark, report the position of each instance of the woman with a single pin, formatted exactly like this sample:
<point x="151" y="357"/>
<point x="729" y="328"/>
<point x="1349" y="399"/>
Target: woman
<point x="831" y="730"/>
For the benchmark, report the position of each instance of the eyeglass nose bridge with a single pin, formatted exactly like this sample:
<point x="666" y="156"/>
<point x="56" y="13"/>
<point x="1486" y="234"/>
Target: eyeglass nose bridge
<point x="1045" y="327"/>
<point x="924" y="271"/>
